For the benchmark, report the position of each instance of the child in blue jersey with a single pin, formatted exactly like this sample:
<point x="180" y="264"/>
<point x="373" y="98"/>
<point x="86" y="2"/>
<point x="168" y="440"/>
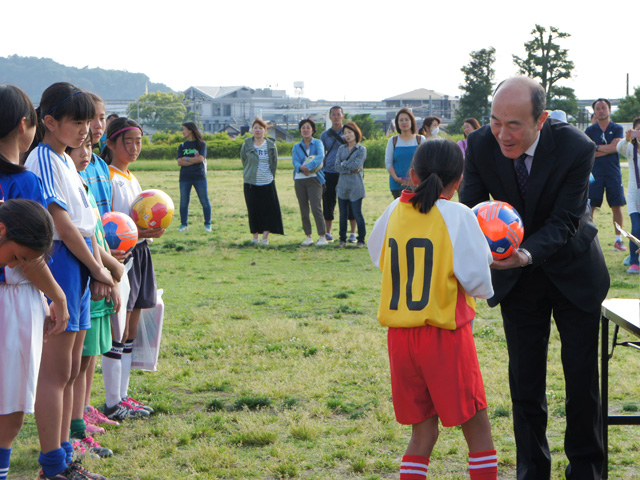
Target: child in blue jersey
<point x="64" y="116"/>
<point x="434" y="260"/>
<point x="27" y="233"/>
<point x="96" y="176"/>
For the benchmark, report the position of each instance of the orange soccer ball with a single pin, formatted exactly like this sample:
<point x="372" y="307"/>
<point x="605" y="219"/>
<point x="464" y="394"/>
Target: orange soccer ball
<point x="502" y="227"/>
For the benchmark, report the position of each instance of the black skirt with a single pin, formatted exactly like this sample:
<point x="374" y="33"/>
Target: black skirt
<point x="264" y="208"/>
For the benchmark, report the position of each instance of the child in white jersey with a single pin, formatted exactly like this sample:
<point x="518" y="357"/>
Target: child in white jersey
<point x="64" y="115"/>
<point x="434" y="260"/>
<point x="124" y="140"/>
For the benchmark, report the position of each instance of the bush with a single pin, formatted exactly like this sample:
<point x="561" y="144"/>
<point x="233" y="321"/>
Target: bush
<point x="375" y="152"/>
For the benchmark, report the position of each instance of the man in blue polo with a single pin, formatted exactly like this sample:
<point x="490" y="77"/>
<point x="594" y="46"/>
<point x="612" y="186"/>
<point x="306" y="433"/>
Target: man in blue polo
<point x="606" y="168"/>
<point x="332" y="139"/>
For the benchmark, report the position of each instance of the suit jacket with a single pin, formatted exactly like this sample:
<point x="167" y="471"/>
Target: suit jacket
<point x="558" y="230"/>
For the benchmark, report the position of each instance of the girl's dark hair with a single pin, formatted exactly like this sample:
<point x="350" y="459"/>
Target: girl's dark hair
<point x="310" y="122"/>
<point x="28" y="224"/>
<point x="437" y="163"/>
<point x="355" y="129"/>
<point x="114" y="132"/>
<point x="405" y="110"/>
<point x="196" y="133"/>
<point x="15" y="105"/>
<point x="62" y="100"/>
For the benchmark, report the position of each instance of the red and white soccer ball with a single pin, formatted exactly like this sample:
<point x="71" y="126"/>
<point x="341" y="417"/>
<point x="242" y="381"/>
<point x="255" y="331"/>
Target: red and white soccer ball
<point x="152" y="209"/>
<point x="502" y="227"/>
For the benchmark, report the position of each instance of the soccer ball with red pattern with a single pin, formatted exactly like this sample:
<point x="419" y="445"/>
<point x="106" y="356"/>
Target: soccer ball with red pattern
<point x="120" y="231"/>
<point x="152" y="209"/>
<point x="502" y="227"/>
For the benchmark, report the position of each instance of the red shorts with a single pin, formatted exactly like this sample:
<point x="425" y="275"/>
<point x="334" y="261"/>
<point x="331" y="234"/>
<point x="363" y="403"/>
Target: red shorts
<point x="435" y="372"/>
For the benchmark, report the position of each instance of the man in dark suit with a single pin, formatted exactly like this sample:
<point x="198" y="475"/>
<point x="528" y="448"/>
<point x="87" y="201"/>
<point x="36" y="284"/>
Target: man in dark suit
<point x="541" y="167"/>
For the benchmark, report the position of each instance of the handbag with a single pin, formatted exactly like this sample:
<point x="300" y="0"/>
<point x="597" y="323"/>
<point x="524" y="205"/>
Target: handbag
<point x="146" y="345"/>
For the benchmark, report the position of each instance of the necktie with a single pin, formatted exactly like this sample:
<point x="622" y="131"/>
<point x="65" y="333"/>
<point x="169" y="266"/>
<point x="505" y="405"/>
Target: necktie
<point x="522" y="175"/>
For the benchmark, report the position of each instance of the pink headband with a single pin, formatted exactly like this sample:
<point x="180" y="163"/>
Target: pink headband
<point x="124" y="130"/>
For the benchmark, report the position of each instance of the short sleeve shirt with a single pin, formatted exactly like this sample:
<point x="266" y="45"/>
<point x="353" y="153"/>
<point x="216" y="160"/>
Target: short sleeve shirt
<point x="62" y="185"/>
<point x="607" y="165"/>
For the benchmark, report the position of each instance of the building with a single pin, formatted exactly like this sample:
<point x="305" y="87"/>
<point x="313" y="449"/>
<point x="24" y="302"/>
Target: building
<point x="426" y="103"/>
<point x="218" y="108"/>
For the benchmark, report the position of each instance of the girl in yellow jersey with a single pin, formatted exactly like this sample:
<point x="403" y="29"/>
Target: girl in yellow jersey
<point x="434" y="260"/>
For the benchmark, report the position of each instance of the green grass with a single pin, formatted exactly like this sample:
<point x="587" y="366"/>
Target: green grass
<point x="273" y="364"/>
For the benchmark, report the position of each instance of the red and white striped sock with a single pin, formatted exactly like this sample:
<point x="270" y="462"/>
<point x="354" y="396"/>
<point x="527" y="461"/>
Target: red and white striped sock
<point x="483" y="465"/>
<point x="414" y="467"/>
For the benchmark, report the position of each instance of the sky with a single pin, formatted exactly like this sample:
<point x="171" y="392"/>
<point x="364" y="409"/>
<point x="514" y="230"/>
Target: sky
<point x="345" y="50"/>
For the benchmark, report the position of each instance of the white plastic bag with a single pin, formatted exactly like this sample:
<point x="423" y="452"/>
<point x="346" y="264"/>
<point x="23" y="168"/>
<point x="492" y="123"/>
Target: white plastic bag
<point x="146" y="345"/>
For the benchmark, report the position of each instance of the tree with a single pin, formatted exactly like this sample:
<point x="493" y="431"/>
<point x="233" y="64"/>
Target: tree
<point x="367" y="125"/>
<point x="545" y="59"/>
<point x="564" y="98"/>
<point x="629" y="108"/>
<point x="160" y="110"/>
<point x="477" y="87"/>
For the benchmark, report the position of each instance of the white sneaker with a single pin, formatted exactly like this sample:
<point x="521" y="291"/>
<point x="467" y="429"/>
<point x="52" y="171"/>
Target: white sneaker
<point x="308" y="241"/>
<point x="207" y="229"/>
<point x="183" y="228"/>
<point x="321" y="242"/>
<point x="352" y="238"/>
<point x="264" y="241"/>
<point x="254" y="241"/>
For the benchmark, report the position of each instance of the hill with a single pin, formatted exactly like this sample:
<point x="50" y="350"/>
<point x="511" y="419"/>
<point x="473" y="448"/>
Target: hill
<point x="34" y="74"/>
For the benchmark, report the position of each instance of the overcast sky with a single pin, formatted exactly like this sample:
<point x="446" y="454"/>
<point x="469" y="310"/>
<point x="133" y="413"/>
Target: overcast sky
<point x="341" y="50"/>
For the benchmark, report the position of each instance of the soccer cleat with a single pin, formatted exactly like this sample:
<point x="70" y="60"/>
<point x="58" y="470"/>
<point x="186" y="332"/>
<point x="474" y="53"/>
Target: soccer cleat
<point x="134" y="412"/>
<point x="207" y="229"/>
<point x="118" y="412"/>
<point x="342" y="244"/>
<point x="360" y="245"/>
<point x="329" y="237"/>
<point x="138" y="404"/>
<point x="93" y="429"/>
<point x="352" y="238"/>
<point x="183" y="228"/>
<point x="88" y="444"/>
<point x="76" y="466"/>
<point x="96" y="417"/>
<point x="619" y="246"/>
<point x="633" y="269"/>
<point x="68" y="473"/>
<point x="307" y="241"/>
<point x="322" y="242"/>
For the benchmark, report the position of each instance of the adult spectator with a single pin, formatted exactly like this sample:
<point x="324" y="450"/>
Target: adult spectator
<point x="259" y="161"/>
<point x="307" y="157"/>
<point x="349" y="164"/>
<point x="192" y="158"/>
<point x="606" y="169"/>
<point x="430" y="127"/>
<point x="469" y="125"/>
<point x="541" y="167"/>
<point x="399" y="151"/>
<point x="332" y="139"/>
<point x="628" y="146"/>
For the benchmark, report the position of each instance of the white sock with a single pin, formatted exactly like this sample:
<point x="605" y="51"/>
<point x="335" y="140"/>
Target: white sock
<point x="111" y="374"/>
<point x="126" y="368"/>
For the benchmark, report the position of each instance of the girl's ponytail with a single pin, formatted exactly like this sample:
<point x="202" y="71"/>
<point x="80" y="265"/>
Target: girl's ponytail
<point x="437" y="163"/>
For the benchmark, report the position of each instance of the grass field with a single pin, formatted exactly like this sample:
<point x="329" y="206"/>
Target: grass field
<point x="273" y="364"/>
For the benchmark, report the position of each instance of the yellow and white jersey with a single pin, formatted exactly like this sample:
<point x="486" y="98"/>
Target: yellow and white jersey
<point x="432" y="264"/>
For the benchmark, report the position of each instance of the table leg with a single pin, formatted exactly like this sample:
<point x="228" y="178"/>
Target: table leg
<point x="604" y="392"/>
